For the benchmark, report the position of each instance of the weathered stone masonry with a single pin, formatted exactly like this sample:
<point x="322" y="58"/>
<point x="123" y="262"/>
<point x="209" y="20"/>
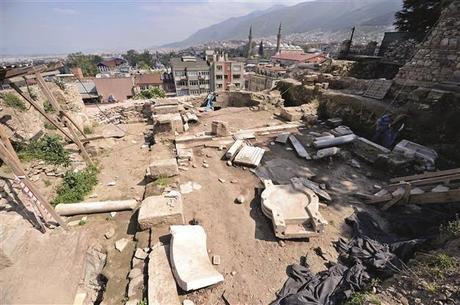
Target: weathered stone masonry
<point x="437" y="59"/>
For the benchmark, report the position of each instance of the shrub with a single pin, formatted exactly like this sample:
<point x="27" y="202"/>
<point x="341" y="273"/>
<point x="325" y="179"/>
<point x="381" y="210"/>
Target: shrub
<point x="151" y="93"/>
<point x="48" y="107"/>
<point x="76" y="185"/>
<point x="49" y="126"/>
<point x="13" y="101"/>
<point x="360" y="298"/>
<point x="47" y="148"/>
<point x="87" y="129"/>
<point x="450" y="230"/>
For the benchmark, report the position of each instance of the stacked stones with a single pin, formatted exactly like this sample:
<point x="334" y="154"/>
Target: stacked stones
<point x="437" y="59"/>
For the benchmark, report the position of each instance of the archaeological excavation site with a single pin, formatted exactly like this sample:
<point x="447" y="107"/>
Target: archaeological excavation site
<point x="313" y="181"/>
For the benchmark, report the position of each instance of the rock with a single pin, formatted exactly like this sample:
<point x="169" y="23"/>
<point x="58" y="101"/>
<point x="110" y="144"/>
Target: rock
<point x="137" y="262"/>
<point x="188" y="302"/>
<point x="135" y="272"/>
<point x="220" y="128"/>
<point x="240" y="199"/>
<point x="132" y="302"/>
<point x="121" y="244"/>
<point x="281" y="243"/>
<point x="234" y="181"/>
<point x="354" y="163"/>
<point x="221" y="180"/>
<point x="440" y="189"/>
<point x="113" y="214"/>
<point x="112" y="183"/>
<point x="377" y="187"/>
<point x="161" y="210"/>
<point x="164" y="168"/>
<point x="229" y="163"/>
<point x="205" y="165"/>
<point x="140" y="254"/>
<point x="233" y="273"/>
<point x="110" y="233"/>
<point x="216" y="259"/>
<point x="135" y="285"/>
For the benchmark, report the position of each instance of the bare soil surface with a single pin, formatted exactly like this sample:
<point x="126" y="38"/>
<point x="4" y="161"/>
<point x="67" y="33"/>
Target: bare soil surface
<point x="253" y="261"/>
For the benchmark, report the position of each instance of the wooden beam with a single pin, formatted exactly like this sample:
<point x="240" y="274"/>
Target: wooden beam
<point x="432" y="197"/>
<point x="39" y="109"/>
<point x="434" y="180"/>
<point x="67" y="122"/>
<point x="10" y="158"/>
<point x="426" y="175"/>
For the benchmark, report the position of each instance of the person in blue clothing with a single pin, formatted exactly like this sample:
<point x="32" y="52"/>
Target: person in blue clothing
<point x="388" y="129"/>
<point x="209" y="102"/>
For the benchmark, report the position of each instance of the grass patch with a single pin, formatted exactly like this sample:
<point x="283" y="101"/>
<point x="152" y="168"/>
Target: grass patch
<point x="47" y="148"/>
<point x="13" y="101"/>
<point x="161" y="182"/>
<point x="48" y="107"/>
<point x="49" y="126"/>
<point x="450" y="230"/>
<point x="360" y="298"/>
<point x="76" y="186"/>
<point x="88" y="129"/>
<point x="443" y="262"/>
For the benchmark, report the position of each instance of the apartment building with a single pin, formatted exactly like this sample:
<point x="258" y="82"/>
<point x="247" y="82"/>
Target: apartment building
<point x="226" y="74"/>
<point x="191" y="75"/>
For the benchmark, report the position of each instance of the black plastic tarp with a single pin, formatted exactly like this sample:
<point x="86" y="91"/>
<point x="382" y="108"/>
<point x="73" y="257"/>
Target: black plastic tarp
<point x="370" y="253"/>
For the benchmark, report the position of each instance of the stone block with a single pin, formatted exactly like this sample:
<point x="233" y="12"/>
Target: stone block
<point x="161" y="285"/>
<point x="291" y="114"/>
<point x="160" y="210"/>
<point x="163" y="109"/>
<point x="169" y="122"/>
<point x="189" y="258"/>
<point x="220" y="128"/>
<point x="164" y="168"/>
<point x="368" y="150"/>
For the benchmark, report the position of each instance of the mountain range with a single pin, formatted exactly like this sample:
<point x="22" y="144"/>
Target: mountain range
<point x="327" y="15"/>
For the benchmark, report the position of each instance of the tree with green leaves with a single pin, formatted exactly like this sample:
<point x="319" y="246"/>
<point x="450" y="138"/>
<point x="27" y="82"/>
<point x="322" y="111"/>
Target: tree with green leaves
<point x="261" y="49"/>
<point x="417" y="17"/>
<point x="142" y="60"/>
<point x="87" y="63"/>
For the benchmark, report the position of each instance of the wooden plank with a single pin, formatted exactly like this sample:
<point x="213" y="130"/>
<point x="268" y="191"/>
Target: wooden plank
<point x="42" y="112"/>
<point x="299" y="148"/>
<point x="9" y="156"/>
<point x="64" y="117"/>
<point x="426" y="175"/>
<point x="434" y="180"/>
<point x="443" y="197"/>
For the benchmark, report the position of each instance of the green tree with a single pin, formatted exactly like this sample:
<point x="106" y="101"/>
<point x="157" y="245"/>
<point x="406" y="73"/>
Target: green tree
<point x="261" y="49"/>
<point x="417" y="17"/>
<point x="135" y="59"/>
<point x="87" y="63"/>
<point x="151" y="93"/>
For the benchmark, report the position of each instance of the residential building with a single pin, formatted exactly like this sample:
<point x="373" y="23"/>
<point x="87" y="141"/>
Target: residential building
<point x="191" y="75"/>
<point x="168" y="84"/>
<point x="113" y="65"/>
<point x="114" y="89"/>
<point x="226" y="74"/>
<point x="88" y="91"/>
<point x="148" y="80"/>
<point x="266" y="77"/>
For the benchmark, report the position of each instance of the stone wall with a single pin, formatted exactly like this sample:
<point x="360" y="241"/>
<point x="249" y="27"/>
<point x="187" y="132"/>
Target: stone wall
<point x="437" y="59"/>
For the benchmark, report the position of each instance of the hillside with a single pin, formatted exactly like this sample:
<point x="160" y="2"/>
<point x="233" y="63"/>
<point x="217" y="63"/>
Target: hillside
<point x="307" y="16"/>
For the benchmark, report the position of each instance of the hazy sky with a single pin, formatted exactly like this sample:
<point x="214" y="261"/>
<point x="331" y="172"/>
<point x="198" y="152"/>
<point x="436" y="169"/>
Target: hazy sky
<point x="53" y="26"/>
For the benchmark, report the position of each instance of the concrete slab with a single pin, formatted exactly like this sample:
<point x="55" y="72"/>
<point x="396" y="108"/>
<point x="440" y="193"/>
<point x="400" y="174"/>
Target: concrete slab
<point x="160" y="210"/>
<point x="189" y="258"/>
<point x="163" y="109"/>
<point x="282" y="138"/>
<point x="368" y="150"/>
<point x="164" y="168"/>
<point x="162" y="288"/>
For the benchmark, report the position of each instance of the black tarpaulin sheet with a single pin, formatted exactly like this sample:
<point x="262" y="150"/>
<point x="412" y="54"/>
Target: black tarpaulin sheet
<point x="360" y="259"/>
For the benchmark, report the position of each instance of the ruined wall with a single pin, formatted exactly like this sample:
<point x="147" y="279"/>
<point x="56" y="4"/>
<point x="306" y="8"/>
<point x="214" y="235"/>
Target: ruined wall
<point x="437" y="59"/>
<point x="24" y="125"/>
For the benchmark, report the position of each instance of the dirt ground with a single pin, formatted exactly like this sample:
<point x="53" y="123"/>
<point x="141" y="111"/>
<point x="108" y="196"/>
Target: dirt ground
<point x="253" y="261"/>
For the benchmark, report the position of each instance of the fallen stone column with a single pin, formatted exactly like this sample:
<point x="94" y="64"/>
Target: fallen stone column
<point x="336" y="141"/>
<point x="68" y="209"/>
